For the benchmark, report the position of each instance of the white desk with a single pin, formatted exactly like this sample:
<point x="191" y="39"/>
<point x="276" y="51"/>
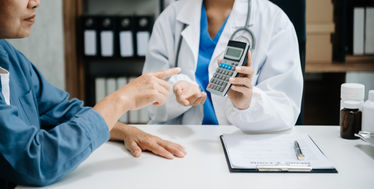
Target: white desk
<point x="111" y="166"/>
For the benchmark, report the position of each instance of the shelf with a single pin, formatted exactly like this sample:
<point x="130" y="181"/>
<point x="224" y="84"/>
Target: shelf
<point x="352" y="64"/>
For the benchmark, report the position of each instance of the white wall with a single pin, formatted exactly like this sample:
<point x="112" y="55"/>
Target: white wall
<point x="45" y="46"/>
<point x="362" y="77"/>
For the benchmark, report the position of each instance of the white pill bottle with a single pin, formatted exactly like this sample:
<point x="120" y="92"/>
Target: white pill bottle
<point x="368" y="113"/>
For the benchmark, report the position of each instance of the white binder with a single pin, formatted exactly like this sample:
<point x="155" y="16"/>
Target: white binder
<point x="126" y="44"/>
<point x="107" y="43"/>
<point x="142" y="38"/>
<point x="100" y="90"/>
<point x="90" y="43"/>
<point x="111" y="85"/>
<point x="369" y="31"/>
<point x="358" y="31"/>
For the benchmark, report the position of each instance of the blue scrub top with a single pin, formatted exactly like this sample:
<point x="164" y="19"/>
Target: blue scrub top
<point x="206" y="49"/>
<point x="43" y="134"/>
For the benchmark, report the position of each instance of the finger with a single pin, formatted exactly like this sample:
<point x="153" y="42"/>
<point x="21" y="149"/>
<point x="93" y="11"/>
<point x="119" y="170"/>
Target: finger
<point x="164" y="93"/>
<point x="164" y="84"/>
<point x="175" y="149"/>
<point x="178" y="89"/>
<point x="203" y="98"/>
<point x="243" y="81"/>
<point x="196" y="101"/>
<point x="133" y="147"/>
<point x="158" y="150"/>
<point x="162" y="89"/>
<point x="219" y="61"/>
<point x="243" y="90"/>
<point x="163" y="74"/>
<point x="194" y="98"/>
<point x="183" y="100"/>
<point x="247" y="71"/>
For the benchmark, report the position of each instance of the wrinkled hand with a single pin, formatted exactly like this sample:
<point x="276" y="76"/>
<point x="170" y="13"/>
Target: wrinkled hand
<point x="241" y="92"/>
<point x="150" y="88"/>
<point x="189" y="94"/>
<point x="137" y="141"/>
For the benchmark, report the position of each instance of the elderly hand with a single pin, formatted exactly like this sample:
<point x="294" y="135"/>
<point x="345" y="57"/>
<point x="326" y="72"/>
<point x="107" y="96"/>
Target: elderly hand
<point x="241" y="92"/>
<point x="150" y="88"/>
<point x="189" y="94"/>
<point x="137" y="141"/>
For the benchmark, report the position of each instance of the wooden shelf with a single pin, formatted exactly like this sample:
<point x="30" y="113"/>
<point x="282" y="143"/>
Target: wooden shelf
<point x="352" y="64"/>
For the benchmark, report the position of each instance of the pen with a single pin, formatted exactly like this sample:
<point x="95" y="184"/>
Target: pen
<point x="299" y="153"/>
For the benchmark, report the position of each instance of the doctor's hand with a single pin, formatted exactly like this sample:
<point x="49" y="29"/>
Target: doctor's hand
<point x="150" y="88"/>
<point x="137" y="141"/>
<point x="188" y="94"/>
<point x="241" y="92"/>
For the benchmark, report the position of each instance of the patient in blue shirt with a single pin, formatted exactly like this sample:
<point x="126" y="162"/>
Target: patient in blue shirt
<point x="43" y="134"/>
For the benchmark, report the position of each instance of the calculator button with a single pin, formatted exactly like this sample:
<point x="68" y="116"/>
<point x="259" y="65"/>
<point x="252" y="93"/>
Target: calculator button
<point x="209" y="85"/>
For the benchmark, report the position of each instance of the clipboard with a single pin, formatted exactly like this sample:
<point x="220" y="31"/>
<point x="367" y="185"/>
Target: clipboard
<point x="284" y="165"/>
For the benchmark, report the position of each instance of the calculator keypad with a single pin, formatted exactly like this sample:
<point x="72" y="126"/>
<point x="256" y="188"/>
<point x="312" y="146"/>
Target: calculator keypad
<point x="220" y="80"/>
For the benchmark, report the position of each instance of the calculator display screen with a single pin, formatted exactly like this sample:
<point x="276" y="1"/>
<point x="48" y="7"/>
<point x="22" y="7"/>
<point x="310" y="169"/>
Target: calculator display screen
<point x="234" y="53"/>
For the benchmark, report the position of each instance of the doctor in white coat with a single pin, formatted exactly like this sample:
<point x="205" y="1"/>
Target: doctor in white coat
<point x="266" y="96"/>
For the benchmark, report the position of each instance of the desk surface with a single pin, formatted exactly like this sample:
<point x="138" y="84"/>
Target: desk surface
<point x="111" y="166"/>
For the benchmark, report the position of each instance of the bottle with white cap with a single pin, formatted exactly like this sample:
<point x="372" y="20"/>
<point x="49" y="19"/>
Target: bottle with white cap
<point x="351" y="117"/>
<point x="368" y="113"/>
<point x="351" y="92"/>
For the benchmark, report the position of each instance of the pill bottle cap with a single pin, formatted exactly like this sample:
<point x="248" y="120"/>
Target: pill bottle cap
<point x="350" y="104"/>
<point x="352" y="91"/>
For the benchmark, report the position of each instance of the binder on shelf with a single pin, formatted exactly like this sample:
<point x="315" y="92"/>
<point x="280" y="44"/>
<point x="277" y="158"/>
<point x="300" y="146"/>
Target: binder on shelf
<point x="369" y="31"/>
<point x="143" y="28"/>
<point x="111" y="86"/>
<point x="100" y="90"/>
<point x="358" y="30"/>
<point x="122" y="81"/>
<point x="126" y="36"/>
<point x="90" y="35"/>
<point x="107" y="36"/>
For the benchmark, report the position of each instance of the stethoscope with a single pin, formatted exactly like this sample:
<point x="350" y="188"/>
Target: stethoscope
<point x="251" y="40"/>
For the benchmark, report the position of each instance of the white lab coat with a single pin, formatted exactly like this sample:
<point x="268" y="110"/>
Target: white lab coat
<point x="278" y="86"/>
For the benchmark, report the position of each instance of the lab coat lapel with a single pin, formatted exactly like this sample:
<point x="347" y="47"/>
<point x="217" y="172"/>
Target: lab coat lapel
<point x="190" y="15"/>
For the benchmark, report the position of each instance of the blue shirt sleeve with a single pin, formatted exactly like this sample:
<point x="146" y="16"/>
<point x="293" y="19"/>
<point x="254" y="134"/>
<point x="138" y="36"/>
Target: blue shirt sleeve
<point x="30" y="152"/>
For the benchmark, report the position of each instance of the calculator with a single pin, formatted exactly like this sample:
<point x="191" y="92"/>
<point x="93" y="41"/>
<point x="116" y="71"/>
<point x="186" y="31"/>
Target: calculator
<point x="235" y="55"/>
